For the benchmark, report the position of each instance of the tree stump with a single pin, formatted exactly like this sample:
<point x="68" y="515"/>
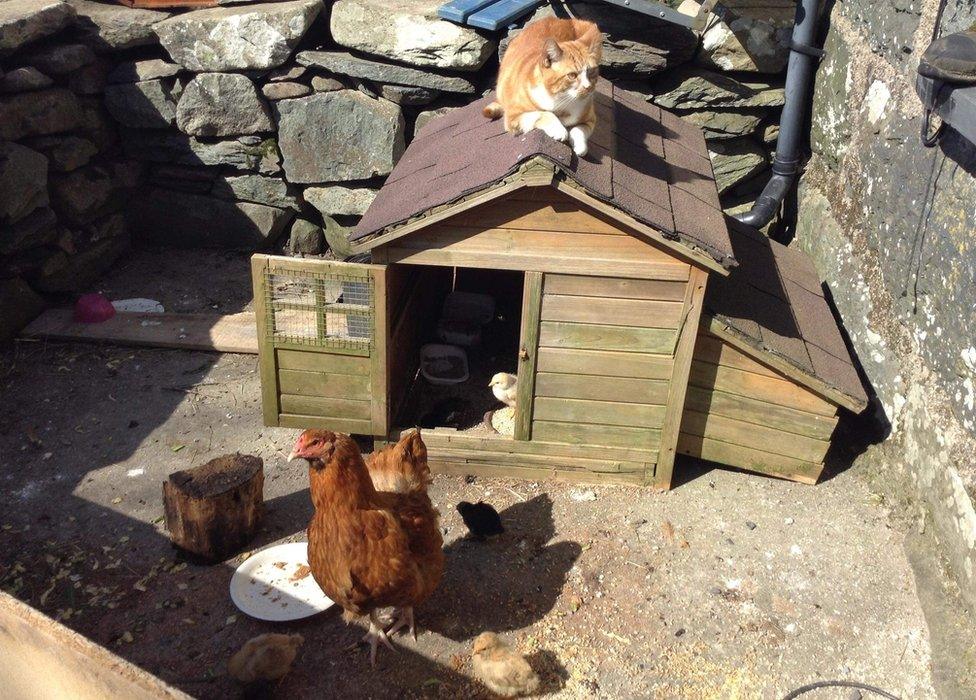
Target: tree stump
<point x="213" y="510"/>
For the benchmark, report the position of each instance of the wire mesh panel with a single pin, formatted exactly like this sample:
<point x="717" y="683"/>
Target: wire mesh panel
<point x="319" y="309"/>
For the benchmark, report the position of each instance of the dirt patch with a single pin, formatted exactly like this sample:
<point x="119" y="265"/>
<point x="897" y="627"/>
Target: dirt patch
<point x="732" y="585"/>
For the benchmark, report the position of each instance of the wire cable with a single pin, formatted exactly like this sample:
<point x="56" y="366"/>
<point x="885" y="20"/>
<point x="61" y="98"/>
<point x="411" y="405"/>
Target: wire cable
<point x="839" y="684"/>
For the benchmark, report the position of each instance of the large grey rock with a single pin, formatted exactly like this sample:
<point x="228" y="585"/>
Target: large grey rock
<point x="689" y="88"/>
<point x="23" y="174"/>
<point x="408" y="31"/>
<point x="347" y="64"/>
<point x="425" y="117"/>
<point x="222" y="104"/>
<point x="24" y="79"/>
<point x="305" y="238"/>
<point x="246" y="153"/>
<point x="19" y="305"/>
<point x="320" y="83"/>
<point x="60" y="59"/>
<point x="724" y="125"/>
<point x="745" y="43"/>
<point x="735" y="162"/>
<point x="407" y="95"/>
<point x="24" y="21"/>
<point x="38" y="228"/>
<point x="149" y="104"/>
<point x="285" y="91"/>
<point x="91" y="79"/>
<point x="259" y="189"/>
<point x="112" y="27"/>
<point x="183" y="219"/>
<point x="338" y="200"/>
<point x="75" y="273"/>
<point x="149" y="69"/>
<point x="633" y="43"/>
<point x="97" y="125"/>
<point x="42" y="112"/>
<point x="83" y="195"/>
<point x="64" y="153"/>
<point x="237" y="38"/>
<point x="342" y="135"/>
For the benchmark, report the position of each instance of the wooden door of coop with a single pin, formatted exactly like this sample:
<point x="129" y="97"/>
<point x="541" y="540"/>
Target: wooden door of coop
<point x="322" y="344"/>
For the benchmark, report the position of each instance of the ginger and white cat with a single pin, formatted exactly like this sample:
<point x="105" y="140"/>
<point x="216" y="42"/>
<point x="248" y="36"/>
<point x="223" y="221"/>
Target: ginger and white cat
<point x="547" y="78"/>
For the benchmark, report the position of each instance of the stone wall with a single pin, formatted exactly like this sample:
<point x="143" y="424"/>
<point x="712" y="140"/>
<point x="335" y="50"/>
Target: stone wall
<point x="271" y="125"/>
<point x="891" y="224"/>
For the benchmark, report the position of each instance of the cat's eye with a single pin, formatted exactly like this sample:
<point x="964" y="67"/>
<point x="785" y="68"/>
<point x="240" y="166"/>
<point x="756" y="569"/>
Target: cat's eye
<point x="572" y="75"/>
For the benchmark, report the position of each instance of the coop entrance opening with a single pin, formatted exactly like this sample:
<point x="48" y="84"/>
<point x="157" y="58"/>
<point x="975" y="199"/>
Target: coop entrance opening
<point x="467" y="331"/>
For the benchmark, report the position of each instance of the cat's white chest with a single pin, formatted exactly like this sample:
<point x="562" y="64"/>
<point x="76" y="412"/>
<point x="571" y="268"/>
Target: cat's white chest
<point x="569" y="111"/>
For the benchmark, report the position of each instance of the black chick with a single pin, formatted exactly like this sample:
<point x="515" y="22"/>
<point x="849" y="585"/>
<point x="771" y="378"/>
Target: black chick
<point x="481" y="519"/>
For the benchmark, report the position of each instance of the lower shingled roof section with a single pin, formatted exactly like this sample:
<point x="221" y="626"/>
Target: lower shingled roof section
<point x="774" y="302"/>
<point x="644" y="161"/>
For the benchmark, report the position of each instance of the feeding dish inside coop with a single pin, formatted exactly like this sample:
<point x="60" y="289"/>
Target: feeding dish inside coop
<point x="638" y="322"/>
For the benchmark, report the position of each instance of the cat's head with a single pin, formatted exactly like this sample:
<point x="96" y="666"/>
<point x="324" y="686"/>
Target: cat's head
<point x="571" y="68"/>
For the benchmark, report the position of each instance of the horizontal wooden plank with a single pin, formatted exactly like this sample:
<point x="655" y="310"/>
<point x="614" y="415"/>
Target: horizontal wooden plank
<point x="537" y="260"/>
<point x="585" y="434"/>
<point x="209" y="332"/>
<point x="338" y="425"/>
<point x="518" y="213"/>
<point x="782" y="392"/>
<point x="750" y="459"/>
<point x="333" y="386"/>
<point x="714" y="351"/>
<point x="633" y="415"/>
<point x="753" y="411"/>
<point x="574" y="386"/>
<point x="323" y="361"/>
<point x="614" y="287"/>
<point x="752" y="435"/>
<point x="593" y="465"/>
<point x="580" y="246"/>
<point x="452" y="439"/>
<point x="605" y="363"/>
<point x="556" y="334"/>
<point x="581" y="476"/>
<point x="318" y="406"/>
<point x="641" y="313"/>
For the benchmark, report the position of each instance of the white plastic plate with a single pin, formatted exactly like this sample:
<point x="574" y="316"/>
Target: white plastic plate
<point x="276" y="585"/>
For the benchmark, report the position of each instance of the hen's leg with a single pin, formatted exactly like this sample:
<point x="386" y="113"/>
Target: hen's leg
<point x="375" y="635"/>
<point x="404" y="619"/>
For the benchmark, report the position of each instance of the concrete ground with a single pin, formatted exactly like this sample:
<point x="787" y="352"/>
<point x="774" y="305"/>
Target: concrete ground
<point x="730" y="586"/>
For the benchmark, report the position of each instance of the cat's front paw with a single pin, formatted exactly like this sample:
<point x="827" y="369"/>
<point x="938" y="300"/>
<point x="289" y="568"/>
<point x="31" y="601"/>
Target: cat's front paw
<point x="554" y="130"/>
<point x="577" y="137"/>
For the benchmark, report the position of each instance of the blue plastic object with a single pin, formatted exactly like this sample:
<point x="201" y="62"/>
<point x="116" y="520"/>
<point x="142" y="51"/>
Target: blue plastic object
<point x="458" y="11"/>
<point x="501" y="14"/>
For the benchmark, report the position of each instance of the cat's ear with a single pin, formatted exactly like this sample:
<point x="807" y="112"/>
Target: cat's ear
<point x="551" y="53"/>
<point x="592" y="38"/>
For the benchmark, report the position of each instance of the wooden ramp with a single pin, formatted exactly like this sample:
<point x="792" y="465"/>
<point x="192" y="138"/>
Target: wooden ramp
<point x="208" y="332"/>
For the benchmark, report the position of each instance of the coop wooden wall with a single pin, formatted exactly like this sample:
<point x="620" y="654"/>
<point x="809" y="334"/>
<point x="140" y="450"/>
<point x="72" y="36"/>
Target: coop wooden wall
<point x="606" y="353"/>
<point x="741" y="413"/>
<point x="537" y="229"/>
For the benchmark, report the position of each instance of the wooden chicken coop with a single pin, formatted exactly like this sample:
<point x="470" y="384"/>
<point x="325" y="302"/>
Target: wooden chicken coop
<point x="640" y="322"/>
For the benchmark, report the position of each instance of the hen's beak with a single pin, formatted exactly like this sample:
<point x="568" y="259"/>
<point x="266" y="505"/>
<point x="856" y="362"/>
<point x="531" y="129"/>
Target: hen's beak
<point x="293" y="455"/>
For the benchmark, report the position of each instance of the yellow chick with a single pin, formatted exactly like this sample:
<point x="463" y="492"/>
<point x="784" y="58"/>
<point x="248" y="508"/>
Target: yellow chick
<point x="505" y="388"/>
<point x="267" y="657"/>
<point x="500" y="668"/>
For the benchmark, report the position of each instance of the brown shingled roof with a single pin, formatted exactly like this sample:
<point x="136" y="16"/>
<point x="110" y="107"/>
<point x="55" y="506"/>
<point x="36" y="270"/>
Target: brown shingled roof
<point x="773" y="303"/>
<point x="642" y="160"/>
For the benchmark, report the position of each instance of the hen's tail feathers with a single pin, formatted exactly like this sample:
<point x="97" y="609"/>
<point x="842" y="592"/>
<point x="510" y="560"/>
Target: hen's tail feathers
<point x="401" y="468"/>
<point x="493" y="110"/>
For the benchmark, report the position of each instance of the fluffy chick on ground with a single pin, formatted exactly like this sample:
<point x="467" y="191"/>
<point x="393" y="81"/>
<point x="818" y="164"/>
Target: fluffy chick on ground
<point x="502" y="669"/>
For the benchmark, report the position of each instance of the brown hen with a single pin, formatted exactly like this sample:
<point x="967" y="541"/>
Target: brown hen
<point x="370" y="548"/>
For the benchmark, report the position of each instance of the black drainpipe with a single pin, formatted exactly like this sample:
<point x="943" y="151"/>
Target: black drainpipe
<point x="804" y="57"/>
